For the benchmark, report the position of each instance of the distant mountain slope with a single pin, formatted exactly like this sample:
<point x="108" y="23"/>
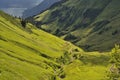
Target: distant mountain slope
<point x="37" y="9"/>
<point x="18" y="3"/>
<point x="90" y="24"/>
<point x="17" y="7"/>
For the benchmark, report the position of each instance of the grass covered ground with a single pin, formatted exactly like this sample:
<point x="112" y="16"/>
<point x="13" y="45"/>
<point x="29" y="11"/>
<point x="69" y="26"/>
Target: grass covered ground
<point x="92" y="66"/>
<point x="32" y="54"/>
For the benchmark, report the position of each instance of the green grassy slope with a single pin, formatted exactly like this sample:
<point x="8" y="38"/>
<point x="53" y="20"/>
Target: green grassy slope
<point x="20" y="57"/>
<point x="90" y="24"/>
<point x="32" y="54"/>
<point x="27" y="54"/>
<point x="92" y="66"/>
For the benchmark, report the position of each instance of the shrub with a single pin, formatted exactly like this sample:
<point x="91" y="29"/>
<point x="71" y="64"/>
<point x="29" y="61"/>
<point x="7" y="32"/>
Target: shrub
<point x="115" y="60"/>
<point x="23" y="23"/>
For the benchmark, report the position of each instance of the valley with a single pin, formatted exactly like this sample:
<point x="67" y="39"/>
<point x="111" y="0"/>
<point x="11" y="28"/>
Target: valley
<point x="32" y="54"/>
<point x="61" y="40"/>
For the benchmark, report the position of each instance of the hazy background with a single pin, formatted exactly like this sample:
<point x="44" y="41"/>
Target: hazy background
<point x="16" y="7"/>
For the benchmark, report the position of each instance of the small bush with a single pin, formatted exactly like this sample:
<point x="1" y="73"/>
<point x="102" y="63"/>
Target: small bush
<point x="114" y="73"/>
<point x="23" y="23"/>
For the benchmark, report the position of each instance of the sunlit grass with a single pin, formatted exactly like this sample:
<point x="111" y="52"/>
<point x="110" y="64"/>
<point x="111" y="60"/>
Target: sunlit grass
<point x="29" y="54"/>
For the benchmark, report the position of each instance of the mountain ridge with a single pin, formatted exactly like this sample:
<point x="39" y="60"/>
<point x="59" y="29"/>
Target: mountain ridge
<point x="88" y="24"/>
<point x="39" y="8"/>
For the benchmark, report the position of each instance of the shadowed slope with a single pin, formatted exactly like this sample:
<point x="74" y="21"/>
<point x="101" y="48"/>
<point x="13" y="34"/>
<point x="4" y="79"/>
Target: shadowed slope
<point x="90" y="24"/>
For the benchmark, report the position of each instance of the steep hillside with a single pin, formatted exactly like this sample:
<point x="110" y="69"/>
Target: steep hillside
<point x="90" y="24"/>
<point x="27" y="54"/>
<point x="39" y="8"/>
<point x="32" y="54"/>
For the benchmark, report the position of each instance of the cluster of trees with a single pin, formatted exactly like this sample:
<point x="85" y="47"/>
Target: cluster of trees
<point x="23" y="23"/>
<point x="114" y="73"/>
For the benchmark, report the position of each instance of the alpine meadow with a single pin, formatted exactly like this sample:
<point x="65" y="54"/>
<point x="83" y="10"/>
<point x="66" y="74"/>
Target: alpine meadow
<point x="60" y="40"/>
